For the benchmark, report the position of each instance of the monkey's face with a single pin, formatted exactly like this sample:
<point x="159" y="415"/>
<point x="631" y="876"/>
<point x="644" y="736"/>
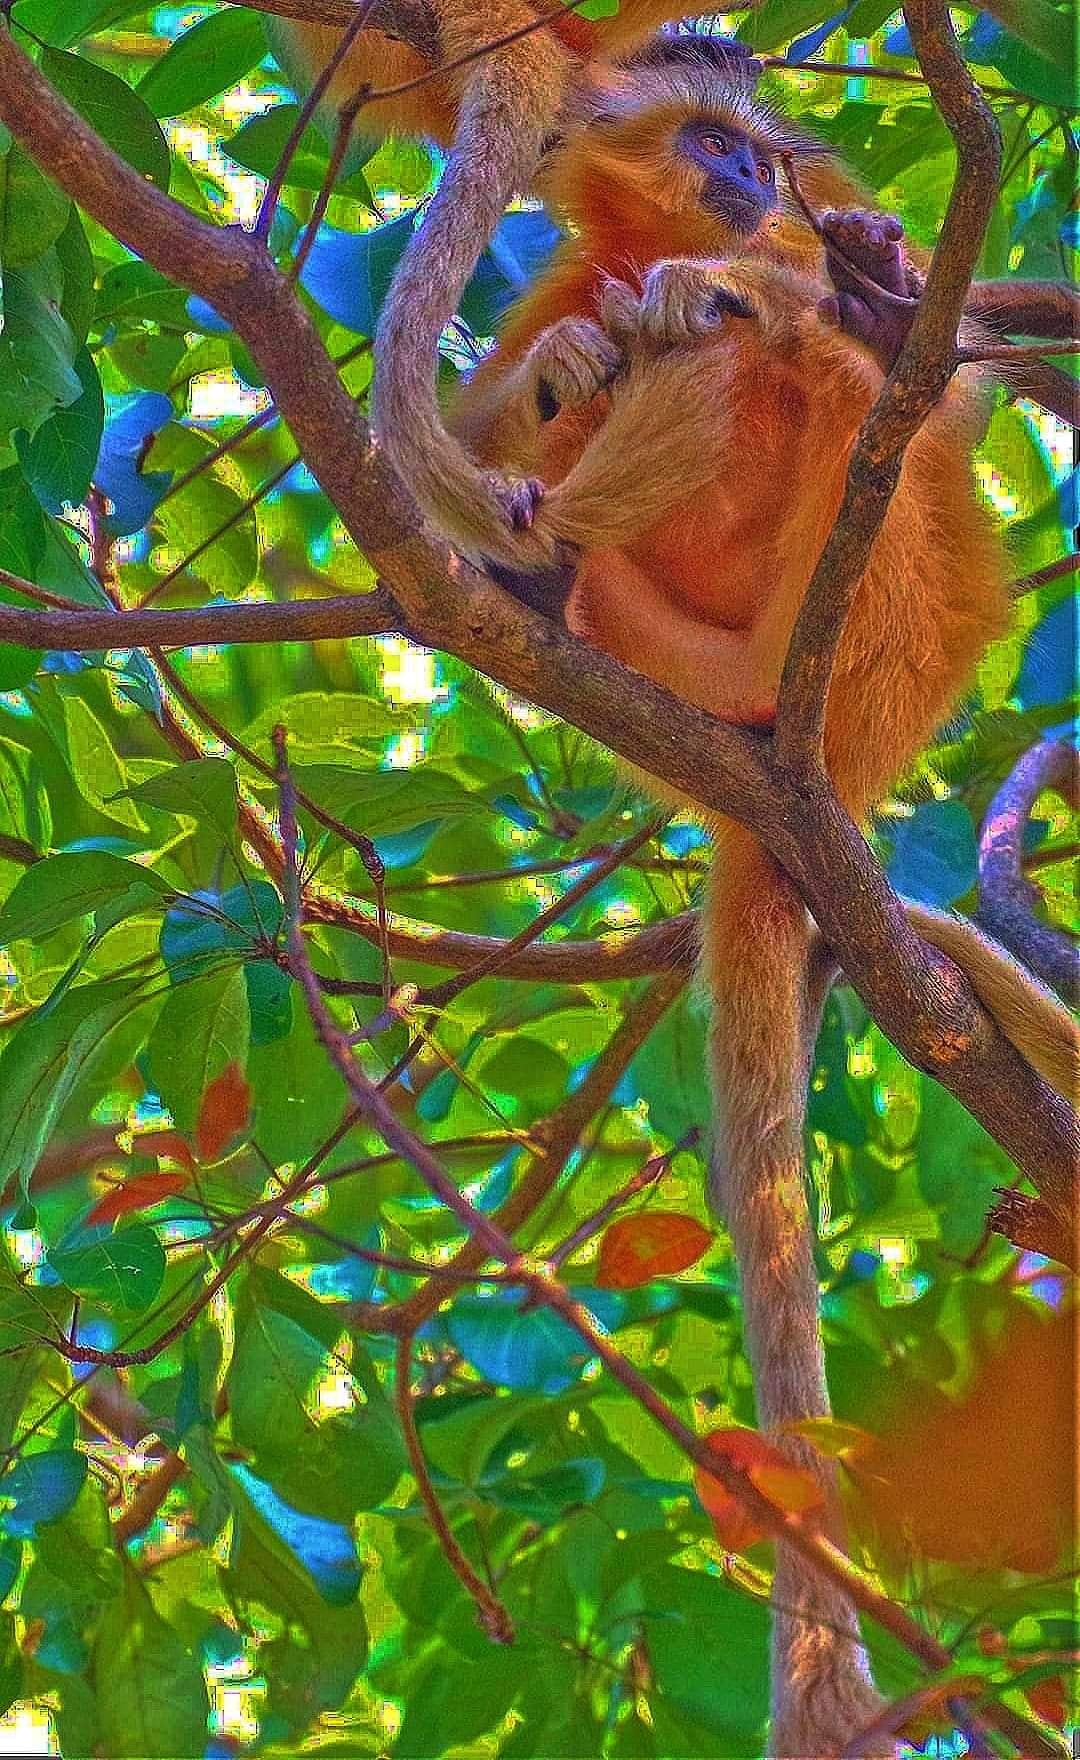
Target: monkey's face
<point x="738" y="174"/>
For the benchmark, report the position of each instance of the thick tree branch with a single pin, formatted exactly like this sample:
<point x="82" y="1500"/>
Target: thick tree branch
<point x="910" y="392"/>
<point x="1009" y="903"/>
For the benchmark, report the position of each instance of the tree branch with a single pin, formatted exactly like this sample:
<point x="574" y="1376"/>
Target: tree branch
<point x="302" y="620"/>
<point x="911" y="390"/>
<point x="1008" y="900"/>
<point x="492" y="1615"/>
<point x="413" y="21"/>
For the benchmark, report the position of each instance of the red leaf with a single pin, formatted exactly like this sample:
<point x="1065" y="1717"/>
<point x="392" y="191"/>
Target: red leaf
<point x="166" y="1145"/>
<point x="1047" y="1700"/>
<point x="787" y="1486"/>
<point x="224" y="1112"/>
<point x="651" y="1244"/>
<point x="137" y="1194"/>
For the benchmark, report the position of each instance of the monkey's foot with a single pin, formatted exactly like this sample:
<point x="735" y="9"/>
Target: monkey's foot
<point x="867" y="267"/>
<point x="519" y="501"/>
<point x="681" y="299"/>
<point x="571" y="362"/>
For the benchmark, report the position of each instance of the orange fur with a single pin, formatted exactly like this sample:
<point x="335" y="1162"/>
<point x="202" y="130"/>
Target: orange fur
<point x="709" y="478"/>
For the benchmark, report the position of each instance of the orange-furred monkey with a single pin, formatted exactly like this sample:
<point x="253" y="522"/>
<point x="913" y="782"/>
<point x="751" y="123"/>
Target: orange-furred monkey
<point x="689" y="378"/>
<point x="496" y="110"/>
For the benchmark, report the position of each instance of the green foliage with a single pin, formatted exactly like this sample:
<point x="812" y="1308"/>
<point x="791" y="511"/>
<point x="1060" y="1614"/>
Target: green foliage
<point x="289" y="1567"/>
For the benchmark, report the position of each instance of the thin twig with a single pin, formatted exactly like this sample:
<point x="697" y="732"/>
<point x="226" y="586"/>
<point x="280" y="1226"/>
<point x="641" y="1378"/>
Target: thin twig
<point x="654" y="1169"/>
<point x="1054" y="571"/>
<point x="491" y="1613"/>
<point x="272" y="193"/>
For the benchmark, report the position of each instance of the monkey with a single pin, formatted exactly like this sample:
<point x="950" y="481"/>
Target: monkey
<point x="689" y="378"/>
<point x="495" y="113"/>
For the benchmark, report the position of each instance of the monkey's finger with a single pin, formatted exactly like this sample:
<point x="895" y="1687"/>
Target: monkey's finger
<point x="620" y="310"/>
<point x="829" y="311"/>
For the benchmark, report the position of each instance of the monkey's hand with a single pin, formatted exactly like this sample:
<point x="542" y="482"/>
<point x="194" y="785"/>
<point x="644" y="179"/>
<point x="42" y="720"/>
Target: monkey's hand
<point x="569" y="363"/>
<point x="870" y="244"/>
<point x="681" y="299"/>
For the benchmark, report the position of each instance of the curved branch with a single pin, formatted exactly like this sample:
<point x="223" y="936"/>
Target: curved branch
<point x="911" y="390"/>
<point x="1008" y="900"/>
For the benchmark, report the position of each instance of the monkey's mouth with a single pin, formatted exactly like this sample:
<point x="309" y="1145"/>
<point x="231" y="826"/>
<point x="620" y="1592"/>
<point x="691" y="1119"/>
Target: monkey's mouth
<point x="741" y="212"/>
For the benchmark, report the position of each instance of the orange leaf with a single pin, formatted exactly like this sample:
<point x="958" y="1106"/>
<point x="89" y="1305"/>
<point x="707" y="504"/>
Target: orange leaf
<point x="137" y="1194"/>
<point x="224" y="1111"/>
<point x="787" y="1486"/>
<point x="651" y="1244"/>
<point x="166" y="1145"/>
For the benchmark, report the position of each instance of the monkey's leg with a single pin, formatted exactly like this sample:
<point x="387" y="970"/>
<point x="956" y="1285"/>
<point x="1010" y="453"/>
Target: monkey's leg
<point x="617" y="606"/>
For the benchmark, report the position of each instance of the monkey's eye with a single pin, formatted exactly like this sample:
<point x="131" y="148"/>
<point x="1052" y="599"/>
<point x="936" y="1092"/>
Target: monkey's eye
<point x="765" y="172"/>
<point x="715" y="143"/>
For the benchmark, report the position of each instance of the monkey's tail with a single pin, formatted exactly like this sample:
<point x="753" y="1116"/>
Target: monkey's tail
<point x="1029" y="1014"/>
<point x="765" y="1008"/>
<point x="511" y="99"/>
<point x="668" y="422"/>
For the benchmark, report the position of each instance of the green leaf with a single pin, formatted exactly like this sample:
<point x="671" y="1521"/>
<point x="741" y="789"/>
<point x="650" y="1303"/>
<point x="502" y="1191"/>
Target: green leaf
<point x="297" y="1107"/>
<point x="58" y="460"/>
<point x="135" y="291"/>
<point x="44" y="1486"/>
<point x="74" y="20"/>
<point x="37" y="350"/>
<point x="203" y="789"/>
<point x="122" y="1271"/>
<point x="205" y="61"/>
<point x="460" y="1444"/>
<point x="151" y="1695"/>
<point x="72" y="885"/>
<point x="327" y="727"/>
<point x="95" y="765"/>
<point x="119" y="115"/>
<point x="203" y="1027"/>
<point x="190" y="518"/>
<point x="709" y="1645"/>
<point x="1051" y="81"/>
<point x="259" y="145"/>
<point x="382" y="802"/>
<point x="1045" y="30"/>
<point x="33" y="212"/>
<point x="44" y="1059"/>
<point x="317" y="1457"/>
<point x="22" y="546"/>
<point x="77" y="268"/>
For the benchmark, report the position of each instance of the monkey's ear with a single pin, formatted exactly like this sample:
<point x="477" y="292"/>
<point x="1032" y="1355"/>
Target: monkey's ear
<point x="733" y="62"/>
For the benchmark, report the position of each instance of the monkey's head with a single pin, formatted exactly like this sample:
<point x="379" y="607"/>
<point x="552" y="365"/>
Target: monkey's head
<point x="678" y="156"/>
